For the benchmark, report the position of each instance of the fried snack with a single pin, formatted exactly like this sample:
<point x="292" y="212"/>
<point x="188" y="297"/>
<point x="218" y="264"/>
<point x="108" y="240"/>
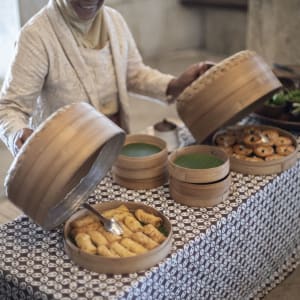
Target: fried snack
<point x="84" y="221"/>
<point x="144" y="240"/>
<point x="104" y="251"/>
<point x="109" y="213"/>
<point x="120" y="216"/>
<point x="252" y="130"/>
<point x="98" y="238"/>
<point x="285" y="149"/>
<point x="108" y="235"/>
<point x="133" y="246"/>
<point x="86" y="228"/>
<point x="263" y="151"/>
<point x="252" y="140"/>
<point x="147" y="218"/>
<point x="225" y="140"/>
<point x="271" y="135"/>
<point x="241" y="149"/>
<point x="121" y="250"/>
<point x="84" y="242"/>
<point x="126" y="231"/>
<point x="153" y="233"/>
<point x="133" y="224"/>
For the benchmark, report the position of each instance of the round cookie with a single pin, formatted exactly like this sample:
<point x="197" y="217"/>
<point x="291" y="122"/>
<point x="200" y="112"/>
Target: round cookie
<point x="225" y="140"/>
<point x="285" y="149"/>
<point x="242" y="150"/>
<point x="252" y="140"/>
<point x="263" y="151"/>
<point x="283" y="140"/>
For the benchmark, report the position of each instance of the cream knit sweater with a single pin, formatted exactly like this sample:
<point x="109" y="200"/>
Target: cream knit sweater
<point x="48" y="71"/>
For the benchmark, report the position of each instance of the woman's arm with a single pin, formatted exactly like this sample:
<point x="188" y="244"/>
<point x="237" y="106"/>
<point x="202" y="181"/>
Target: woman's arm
<point x="22" y="86"/>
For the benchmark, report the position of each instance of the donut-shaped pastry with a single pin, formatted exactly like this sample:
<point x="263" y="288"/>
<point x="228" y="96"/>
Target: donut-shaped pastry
<point x="263" y="150"/>
<point x="225" y="140"/>
<point x="271" y="135"/>
<point x="283" y="140"/>
<point x="285" y="149"/>
<point x="273" y="157"/>
<point x="252" y="140"/>
<point x="242" y="150"/>
<point x="253" y="158"/>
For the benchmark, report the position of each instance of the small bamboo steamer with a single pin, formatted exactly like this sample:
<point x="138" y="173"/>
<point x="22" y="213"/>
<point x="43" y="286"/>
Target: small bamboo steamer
<point x="199" y="187"/>
<point x="62" y="162"/>
<point x="200" y="195"/>
<point x="142" y="172"/>
<point x="199" y="175"/>
<point x="226" y="93"/>
<point x="265" y="167"/>
<point x="125" y="265"/>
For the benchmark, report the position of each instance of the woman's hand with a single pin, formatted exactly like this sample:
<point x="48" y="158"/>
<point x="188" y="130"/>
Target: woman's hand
<point x="20" y="138"/>
<point x="177" y="85"/>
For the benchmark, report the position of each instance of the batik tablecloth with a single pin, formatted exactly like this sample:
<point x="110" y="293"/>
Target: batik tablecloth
<point x="239" y="249"/>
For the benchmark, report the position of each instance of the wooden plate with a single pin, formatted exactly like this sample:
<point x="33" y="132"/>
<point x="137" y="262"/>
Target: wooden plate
<point x="62" y="162"/>
<point x="125" y="265"/>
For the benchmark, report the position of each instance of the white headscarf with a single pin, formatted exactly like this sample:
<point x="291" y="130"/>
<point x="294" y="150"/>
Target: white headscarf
<point x="88" y="33"/>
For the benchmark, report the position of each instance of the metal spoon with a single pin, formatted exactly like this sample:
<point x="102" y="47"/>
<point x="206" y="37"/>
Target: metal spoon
<point x="110" y="225"/>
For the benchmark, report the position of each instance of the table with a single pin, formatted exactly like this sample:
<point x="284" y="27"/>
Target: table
<point x="239" y="249"/>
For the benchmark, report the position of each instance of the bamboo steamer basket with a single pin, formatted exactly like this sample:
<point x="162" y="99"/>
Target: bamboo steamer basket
<point x="226" y="93"/>
<point x="200" y="195"/>
<point x="199" y="187"/>
<point x="62" y="162"/>
<point x="199" y="175"/>
<point x="125" y="265"/>
<point x="145" y="172"/>
<point x="264" y="167"/>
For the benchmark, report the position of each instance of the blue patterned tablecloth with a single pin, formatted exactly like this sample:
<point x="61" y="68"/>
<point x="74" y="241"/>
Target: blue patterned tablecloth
<point x="239" y="249"/>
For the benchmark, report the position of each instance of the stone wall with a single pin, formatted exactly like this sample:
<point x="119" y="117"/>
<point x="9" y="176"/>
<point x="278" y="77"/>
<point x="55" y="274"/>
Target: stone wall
<point x="273" y="30"/>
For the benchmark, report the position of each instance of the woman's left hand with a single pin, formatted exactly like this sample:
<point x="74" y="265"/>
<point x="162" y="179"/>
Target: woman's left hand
<point x="177" y="85"/>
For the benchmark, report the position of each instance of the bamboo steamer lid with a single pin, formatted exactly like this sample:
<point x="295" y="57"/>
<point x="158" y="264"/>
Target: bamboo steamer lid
<point x="62" y="162"/>
<point x="226" y="93"/>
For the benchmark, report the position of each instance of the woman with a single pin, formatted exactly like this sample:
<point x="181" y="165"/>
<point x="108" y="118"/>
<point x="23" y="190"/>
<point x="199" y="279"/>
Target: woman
<point x="72" y="51"/>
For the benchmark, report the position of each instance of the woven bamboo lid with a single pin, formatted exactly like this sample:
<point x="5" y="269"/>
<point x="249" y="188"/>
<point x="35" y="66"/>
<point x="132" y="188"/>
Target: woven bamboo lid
<point x="226" y="93"/>
<point x="62" y="162"/>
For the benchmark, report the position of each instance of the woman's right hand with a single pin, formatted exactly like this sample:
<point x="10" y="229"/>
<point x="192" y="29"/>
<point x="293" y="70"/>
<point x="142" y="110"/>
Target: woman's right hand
<point x="20" y="138"/>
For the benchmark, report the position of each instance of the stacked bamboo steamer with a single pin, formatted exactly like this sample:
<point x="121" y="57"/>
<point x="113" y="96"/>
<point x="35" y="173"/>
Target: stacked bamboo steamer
<point x="62" y="162"/>
<point x="226" y="93"/>
<point x="199" y="187"/>
<point x="145" y="172"/>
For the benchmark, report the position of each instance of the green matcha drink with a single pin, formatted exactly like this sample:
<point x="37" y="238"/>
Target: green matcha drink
<point x="139" y="149"/>
<point x="198" y="161"/>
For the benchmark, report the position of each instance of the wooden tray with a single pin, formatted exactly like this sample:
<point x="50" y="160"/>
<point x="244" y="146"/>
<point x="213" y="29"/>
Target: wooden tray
<point x="200" y="195"/>
<point x="264" y="167"/>
<point x="62" y="162"/>
<point x="106" y="265"/>
<point x="226" y="93"/>
<point x="145" y="172"/>
<point x="199" y="175"/>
